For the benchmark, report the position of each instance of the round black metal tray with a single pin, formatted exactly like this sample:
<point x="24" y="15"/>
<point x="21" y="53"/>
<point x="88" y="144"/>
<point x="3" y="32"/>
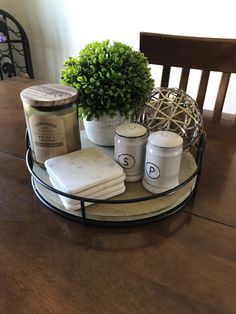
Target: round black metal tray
<point x="135" y="206"/>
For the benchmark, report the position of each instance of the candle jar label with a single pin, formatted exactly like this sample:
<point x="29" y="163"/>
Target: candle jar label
<point x="48" y="136"/>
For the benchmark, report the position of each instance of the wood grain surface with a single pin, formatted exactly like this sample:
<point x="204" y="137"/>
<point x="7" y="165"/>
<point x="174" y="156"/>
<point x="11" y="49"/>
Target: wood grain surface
<point x="187" y="53"/>
<point x="216" y="197"/>
<point x="183" y="264"/>
<point x="12" y="118"/>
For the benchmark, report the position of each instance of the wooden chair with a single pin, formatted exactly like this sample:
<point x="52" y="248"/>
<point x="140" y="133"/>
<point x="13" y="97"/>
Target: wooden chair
<point x="206" y="54"/>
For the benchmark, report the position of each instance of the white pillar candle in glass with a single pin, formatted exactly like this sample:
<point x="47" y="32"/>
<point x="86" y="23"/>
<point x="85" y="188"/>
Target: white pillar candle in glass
<point x="51" y="119"/>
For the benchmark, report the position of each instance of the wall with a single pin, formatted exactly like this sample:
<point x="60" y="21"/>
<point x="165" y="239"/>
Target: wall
<point x="44" y="23"/>
<point x="60" y="28"/>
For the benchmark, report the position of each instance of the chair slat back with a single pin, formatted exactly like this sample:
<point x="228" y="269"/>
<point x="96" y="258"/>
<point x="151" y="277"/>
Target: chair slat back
<point x="206" y="54"/>
<point x="184" y="79"/>
<point x="202" y="88"/>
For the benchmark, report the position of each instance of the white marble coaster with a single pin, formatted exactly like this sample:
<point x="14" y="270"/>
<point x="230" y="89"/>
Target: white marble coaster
<point x="97" y="194"/>
<point x="90" y="191"/>
<point x="120" y="188"/>
<point x="82" y="169"/>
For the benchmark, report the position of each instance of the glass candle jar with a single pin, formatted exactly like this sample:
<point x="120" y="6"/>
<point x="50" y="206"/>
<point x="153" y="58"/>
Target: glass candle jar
<point x="51" y="119"/>
<point x="129" y="151"/>
<point x="162" y="162"/>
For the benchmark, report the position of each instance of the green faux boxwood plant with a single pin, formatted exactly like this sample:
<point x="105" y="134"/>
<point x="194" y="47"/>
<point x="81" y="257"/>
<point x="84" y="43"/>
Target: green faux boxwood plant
<point x="110" y="78"/>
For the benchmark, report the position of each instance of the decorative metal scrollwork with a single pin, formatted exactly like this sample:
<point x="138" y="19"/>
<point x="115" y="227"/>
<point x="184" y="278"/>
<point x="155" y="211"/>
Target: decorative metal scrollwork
<point x="15" y="58"/>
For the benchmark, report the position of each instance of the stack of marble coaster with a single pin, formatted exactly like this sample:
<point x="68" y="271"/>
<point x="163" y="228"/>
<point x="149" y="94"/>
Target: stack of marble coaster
<point x="86" y="173"/>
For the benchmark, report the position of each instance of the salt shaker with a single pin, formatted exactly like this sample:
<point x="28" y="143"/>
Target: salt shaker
<point x="129" y="149"/>
<point x="162" y="161"/>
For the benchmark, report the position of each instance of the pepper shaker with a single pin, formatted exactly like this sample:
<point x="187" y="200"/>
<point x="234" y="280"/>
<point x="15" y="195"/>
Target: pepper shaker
<point x="162" y="161"/>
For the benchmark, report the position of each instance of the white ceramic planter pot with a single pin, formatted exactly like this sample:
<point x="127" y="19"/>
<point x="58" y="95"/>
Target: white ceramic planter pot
<point x="102" y="131"/>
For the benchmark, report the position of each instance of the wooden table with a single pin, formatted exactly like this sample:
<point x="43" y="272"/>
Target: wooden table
<point x="184" y="264"/>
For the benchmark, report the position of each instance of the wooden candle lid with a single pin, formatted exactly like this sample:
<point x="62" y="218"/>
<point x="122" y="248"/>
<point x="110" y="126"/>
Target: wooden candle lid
<point x="49" y="95"/>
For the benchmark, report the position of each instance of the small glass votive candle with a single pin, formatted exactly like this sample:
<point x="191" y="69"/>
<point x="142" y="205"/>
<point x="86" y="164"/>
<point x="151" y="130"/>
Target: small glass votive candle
<point x="129" y="149"/>
<point x="162" y="161"/>
<point x="51" y="119"/>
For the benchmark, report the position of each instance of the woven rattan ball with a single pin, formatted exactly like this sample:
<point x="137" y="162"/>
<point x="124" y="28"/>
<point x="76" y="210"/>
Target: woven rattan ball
<point x="173" y="110"/>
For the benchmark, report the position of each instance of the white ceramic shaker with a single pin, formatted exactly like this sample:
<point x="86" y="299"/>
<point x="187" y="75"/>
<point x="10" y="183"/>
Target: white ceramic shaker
<point x="129" y="151"/>
<point x="162" y="162"/>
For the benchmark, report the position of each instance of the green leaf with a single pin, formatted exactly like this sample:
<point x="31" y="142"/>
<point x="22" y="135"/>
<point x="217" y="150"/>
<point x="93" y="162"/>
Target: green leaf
<point x="109" y="76"/>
